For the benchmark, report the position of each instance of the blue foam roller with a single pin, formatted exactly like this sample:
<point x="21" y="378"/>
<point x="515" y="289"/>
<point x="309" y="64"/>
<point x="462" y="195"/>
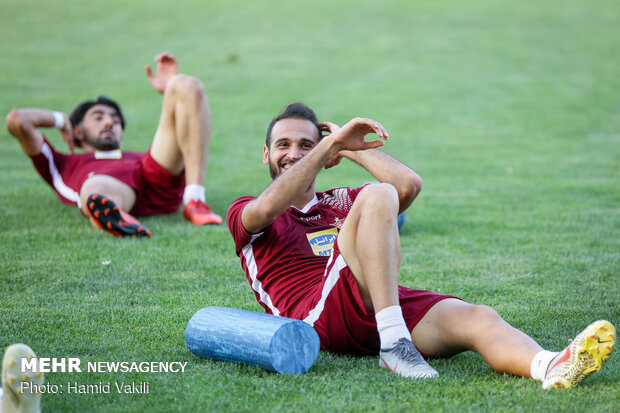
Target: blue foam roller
<point x="279" y="344"/>
<point x="401" y="220"/>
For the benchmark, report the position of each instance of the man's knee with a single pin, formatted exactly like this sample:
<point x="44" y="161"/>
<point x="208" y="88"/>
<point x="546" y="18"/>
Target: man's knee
<point x="483" y="316"/>
<point x="186" y="87"/>
<point x="122" y="194"/>
<point x="379" y="198"/>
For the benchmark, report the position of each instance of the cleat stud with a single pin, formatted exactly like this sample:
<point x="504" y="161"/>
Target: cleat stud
<point x="12" y="380"/>
<point x="91" y="205"/>
<point x="39" y="374"/>
<point x="106" y="212"/>
<point x="26" y="378"/>
<point x="96" y="214"/>
<point x="12" y="363"/>
<point x="115" y="208"/>
<point x="30" y="356"/>
<point x="109" y="225"/>
<point x="104" y="201"/>
<point x="94" y="197"/>
<point x="140" y="229"/>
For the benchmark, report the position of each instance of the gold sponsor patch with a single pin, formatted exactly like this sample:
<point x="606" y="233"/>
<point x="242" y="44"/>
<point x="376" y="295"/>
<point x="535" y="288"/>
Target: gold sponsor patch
<point x="322" y="242"/>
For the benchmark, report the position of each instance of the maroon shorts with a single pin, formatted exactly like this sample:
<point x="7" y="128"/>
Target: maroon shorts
<point x="158" y="190"/>
<point x="342" y="320"/>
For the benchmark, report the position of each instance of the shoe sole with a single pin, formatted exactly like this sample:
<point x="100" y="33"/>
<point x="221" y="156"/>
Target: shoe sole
<point x="109" y="218"/>
<point x="588" y="352"/>
<point x="13" y="376"/>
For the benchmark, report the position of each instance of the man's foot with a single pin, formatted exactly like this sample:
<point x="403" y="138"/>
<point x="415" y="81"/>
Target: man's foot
<point x="199" y="213"/>
<point x="109" y="217"/>
<point x="584" y="355"/>
<point x="406" y="360"/>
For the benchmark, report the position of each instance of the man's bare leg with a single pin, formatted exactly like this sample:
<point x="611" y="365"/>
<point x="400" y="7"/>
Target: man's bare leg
<point x="370" y="245"/>
<point x="452" y="326"/>
<point x="119" y="192"/>
<point x="184" y="132"/>
<point x="182" y="140"/>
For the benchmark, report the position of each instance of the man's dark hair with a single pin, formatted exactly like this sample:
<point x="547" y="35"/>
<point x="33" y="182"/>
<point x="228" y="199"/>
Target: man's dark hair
<point x="295" y="110"/>
<point x="78" y="113"/>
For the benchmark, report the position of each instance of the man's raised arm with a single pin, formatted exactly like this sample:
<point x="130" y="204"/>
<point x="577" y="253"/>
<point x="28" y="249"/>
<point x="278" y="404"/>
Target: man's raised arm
<point x="23" y="124"/>
<point x="296" y="181"/>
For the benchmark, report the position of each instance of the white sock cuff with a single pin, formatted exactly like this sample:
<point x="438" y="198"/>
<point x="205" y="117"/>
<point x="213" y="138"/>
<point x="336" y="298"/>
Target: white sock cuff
<point x="193" y="191"/>
<point x="389" y="313"/>
<point x="540" y="363"/>
<point x="391" y="326"/>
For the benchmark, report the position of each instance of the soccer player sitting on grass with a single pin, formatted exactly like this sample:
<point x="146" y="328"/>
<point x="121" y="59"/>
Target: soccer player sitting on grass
<point x="108" y="185"/>
<point x="332" y="258"/>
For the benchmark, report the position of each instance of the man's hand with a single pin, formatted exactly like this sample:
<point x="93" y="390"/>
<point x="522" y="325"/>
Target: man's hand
<point x="331" y="128"/>
<point x="352" y="136"/>
<point x="167" y="68"/>
<point x="67" y="133"/>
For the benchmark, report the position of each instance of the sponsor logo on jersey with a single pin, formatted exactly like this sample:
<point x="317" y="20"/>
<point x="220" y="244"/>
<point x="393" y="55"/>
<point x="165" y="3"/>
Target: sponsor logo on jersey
<point x="312" y="218"/>
<point x="322" y="242"/>
<point x="338" y="222"/>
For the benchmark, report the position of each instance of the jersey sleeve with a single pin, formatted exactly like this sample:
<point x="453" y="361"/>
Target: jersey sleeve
<point x="46" y="160"/>
<point x="233" y="218"/>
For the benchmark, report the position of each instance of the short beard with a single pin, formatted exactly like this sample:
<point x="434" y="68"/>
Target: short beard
<point x="111" y="146"/>
<point x="102" y="144"/>
<point x="272" y="169"/>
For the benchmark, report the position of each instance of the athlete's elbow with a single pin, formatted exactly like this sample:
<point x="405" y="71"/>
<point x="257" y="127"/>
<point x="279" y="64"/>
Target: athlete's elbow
<point x="410" y="187"/>
<point x="267" y="212"/>
<point x="13" y="122"/>
<point x="257" y="216"/>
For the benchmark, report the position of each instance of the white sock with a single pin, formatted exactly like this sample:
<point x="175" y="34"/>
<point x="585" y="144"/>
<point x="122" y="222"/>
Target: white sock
<point x="193" y="191"/>
<point x="540" y="363"/>
<point x="391" y="326"/>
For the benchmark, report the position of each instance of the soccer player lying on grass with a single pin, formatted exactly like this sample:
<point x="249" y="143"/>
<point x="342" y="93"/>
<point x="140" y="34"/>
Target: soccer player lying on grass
<point x="332" y="258"/>
<point x="108" y="185"/>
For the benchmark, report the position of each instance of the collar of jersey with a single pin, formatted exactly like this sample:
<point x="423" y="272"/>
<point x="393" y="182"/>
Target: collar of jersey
<point x="309" y="205"/>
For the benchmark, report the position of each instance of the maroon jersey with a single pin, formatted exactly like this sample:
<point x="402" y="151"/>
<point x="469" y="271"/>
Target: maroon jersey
<point x="158" y="190"/>
<point x="296" y="270"/>
<point x="286" y="261"/>
<point x="66" y="173"/>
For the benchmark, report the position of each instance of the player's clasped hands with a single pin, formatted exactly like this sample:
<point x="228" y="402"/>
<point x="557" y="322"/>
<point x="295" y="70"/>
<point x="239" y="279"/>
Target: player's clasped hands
<point x="352" y="136"/>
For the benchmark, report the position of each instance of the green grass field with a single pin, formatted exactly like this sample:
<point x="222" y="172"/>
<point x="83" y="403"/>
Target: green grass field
<point x="510" y="112"/>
